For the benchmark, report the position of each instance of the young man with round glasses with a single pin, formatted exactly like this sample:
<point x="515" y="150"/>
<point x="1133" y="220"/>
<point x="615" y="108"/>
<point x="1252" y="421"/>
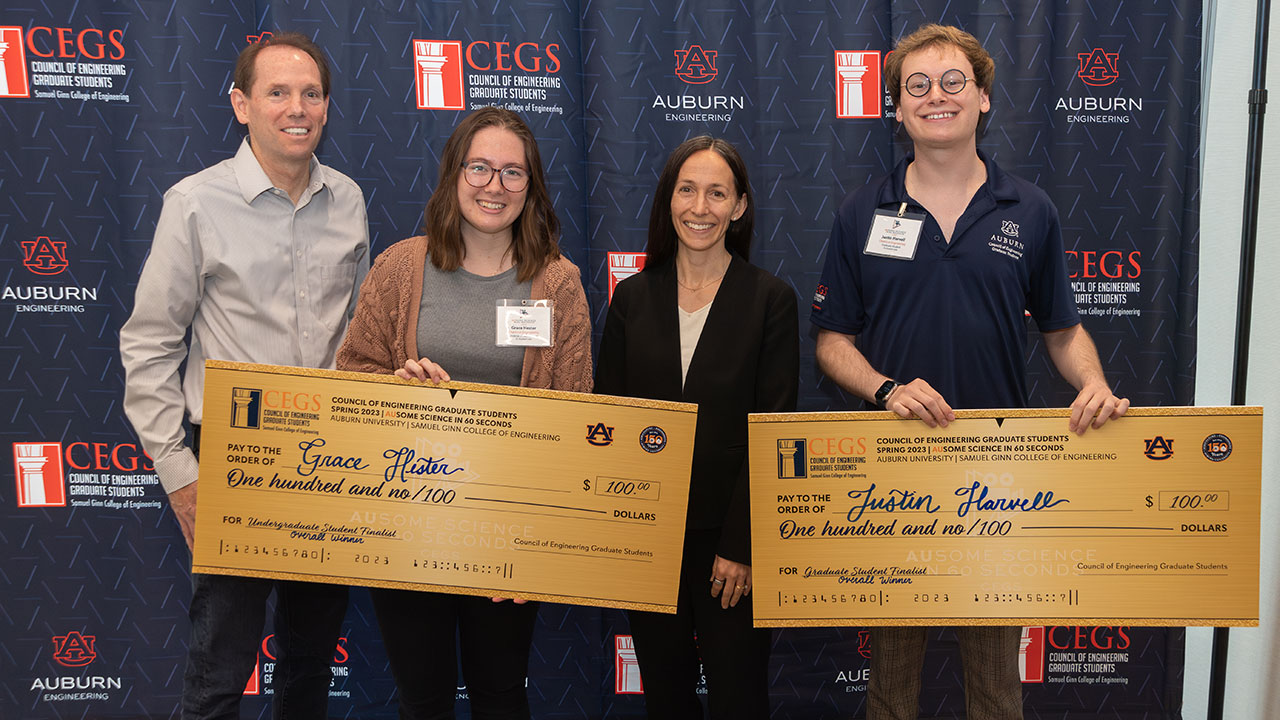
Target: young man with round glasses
<point x="921" y="309"/>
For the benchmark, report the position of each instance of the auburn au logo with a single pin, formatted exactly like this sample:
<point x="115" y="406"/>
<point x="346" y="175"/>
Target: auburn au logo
<point x="695" y="65"/>
<point x="600" y="434"/>
<point x="1158" y="448"/>
<point x="74" y="649"/>
<point x="1098" y="67"/>
<point x="43" y="256"/>
<point x="864" y="643"/>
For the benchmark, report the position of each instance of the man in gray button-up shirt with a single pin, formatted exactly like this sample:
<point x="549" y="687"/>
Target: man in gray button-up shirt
<point x="260" y="257"/>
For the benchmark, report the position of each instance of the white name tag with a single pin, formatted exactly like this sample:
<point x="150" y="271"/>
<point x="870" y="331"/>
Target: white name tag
<point x="524" y="323"/>
<point x="894" y="235"/>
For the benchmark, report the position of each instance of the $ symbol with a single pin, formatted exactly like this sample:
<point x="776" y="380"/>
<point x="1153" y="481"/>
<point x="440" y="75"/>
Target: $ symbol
<point x="586" y="485"/>
<point x="1148" y="501"/>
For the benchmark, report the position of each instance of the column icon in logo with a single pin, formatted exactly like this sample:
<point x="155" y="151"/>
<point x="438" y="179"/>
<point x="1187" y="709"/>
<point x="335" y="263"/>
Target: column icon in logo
<point x="246" y="408"/>
<point x="438" y="68"/>
<point x="626" y="668"/>
<point x="1031" y="655"/>
<point x="38" y="469"/>
<point x="13" y="64"/>
<point x="793" y="461"/>
<point x="858" y="84"/>
<point x="623" y="265"/>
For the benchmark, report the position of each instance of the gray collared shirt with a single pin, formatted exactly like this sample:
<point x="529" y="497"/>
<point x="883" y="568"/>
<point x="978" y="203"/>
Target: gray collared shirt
<point x="254" y="277"/>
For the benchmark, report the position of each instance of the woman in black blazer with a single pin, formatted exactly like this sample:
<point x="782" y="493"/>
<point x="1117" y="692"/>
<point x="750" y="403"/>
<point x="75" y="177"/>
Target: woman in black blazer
<point x="702" y="325"/>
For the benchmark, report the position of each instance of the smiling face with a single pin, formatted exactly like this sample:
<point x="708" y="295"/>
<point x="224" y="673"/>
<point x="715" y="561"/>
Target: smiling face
<point x="285" y="109"/>
<point x="492" y="210"/>
<point x="939" y="119"/>
<point x="705" y="201"/>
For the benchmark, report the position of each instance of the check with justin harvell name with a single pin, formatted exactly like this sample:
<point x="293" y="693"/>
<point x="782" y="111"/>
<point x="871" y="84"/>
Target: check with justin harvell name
<point x="476" y="489"/>
<point x="1005" y="517"/>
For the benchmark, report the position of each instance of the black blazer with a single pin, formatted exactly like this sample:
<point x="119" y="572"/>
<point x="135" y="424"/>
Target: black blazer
<point x="747" y="360"/>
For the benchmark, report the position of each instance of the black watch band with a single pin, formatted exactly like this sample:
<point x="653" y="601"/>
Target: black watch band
<point x="882" y="395"/>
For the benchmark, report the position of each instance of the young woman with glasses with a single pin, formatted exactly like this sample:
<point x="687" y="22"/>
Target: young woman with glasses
<point x="427" y="312"/>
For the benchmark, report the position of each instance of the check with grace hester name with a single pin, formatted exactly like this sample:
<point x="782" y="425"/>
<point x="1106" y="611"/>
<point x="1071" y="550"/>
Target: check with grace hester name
<point x="1006" y="518"/>
<point x="474" y="489"/>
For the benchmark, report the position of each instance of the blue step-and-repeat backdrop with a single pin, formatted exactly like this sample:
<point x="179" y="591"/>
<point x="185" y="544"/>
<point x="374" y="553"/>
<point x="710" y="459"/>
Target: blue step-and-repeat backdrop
<point x="104" y="105"/>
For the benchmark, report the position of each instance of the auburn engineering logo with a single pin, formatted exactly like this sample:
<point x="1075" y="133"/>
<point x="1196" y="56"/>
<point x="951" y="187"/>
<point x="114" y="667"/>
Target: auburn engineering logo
<point x="864" y="643"/>
<point x="1158" y="448"/>
<point x="600" y="434"/>
<point x="858" y="85"/>
<point x="695" y="65"/>
<point x="1098" y="68"/>
<point x="43" y="256"/>
<point x="74" y="650"/>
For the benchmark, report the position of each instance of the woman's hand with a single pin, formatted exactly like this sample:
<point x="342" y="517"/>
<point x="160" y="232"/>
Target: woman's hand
<point x="730" y="581"/>
<point x="423" y="370"/>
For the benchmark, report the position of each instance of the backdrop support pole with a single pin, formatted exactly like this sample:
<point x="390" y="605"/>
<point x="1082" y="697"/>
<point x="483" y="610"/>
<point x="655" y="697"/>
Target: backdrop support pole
<point x="1244" y="301"/>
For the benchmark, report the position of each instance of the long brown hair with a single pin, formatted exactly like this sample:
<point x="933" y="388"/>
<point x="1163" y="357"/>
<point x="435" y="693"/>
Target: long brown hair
<point x="535" y="234"/>
<point x="662" y="230"/>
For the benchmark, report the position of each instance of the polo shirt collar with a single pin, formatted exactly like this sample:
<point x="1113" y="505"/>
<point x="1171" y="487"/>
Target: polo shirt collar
<point x="999" y="183"/>
<point x="253" y="180"/>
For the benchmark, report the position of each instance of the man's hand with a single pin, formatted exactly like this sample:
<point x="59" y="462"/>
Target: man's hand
<point x="730" y="581"/>
<point x="918" y="398"/>
<point x="1098" y="404"/>
<point x="183" y="502"/>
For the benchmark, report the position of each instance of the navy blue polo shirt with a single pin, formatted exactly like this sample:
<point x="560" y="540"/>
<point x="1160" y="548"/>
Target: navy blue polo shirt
<point x="954" y="314"/>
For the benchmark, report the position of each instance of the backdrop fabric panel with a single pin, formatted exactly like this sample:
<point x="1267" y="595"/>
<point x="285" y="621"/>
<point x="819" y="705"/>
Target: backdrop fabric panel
<point x="104" y="105"/>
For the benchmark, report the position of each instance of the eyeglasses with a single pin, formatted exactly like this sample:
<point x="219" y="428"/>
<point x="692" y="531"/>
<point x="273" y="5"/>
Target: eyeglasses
<point x="952" y="82"/>
<point x="479" y="175"/>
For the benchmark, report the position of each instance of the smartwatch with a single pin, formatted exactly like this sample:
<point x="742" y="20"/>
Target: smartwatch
<point x="882" y="395"/>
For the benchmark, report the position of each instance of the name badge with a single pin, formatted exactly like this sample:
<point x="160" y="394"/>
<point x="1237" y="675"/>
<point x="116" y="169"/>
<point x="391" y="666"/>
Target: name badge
<point x="524" y="323"/>
<point x="895" y="234"/>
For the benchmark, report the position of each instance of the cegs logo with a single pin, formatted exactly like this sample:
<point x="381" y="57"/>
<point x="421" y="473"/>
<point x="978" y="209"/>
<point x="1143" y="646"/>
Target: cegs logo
<point x="246" y="408"/>
<point x="792" y="459"/>
<point x="859" y="89"/>
<point x="439" y="65"/>
<point x="264" y="671"/>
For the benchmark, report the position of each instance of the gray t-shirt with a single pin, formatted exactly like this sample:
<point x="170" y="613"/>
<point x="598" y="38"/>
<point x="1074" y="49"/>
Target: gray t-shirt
<point x="457" y="324"/>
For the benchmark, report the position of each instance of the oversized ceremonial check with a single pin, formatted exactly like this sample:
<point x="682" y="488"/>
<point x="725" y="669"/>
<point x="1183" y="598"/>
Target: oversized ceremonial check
<point x="476" y="489"/>
<point x="1006" y="518"/>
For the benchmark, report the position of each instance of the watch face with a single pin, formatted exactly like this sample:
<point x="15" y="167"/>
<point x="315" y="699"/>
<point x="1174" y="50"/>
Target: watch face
<point x="883" y="393"/>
